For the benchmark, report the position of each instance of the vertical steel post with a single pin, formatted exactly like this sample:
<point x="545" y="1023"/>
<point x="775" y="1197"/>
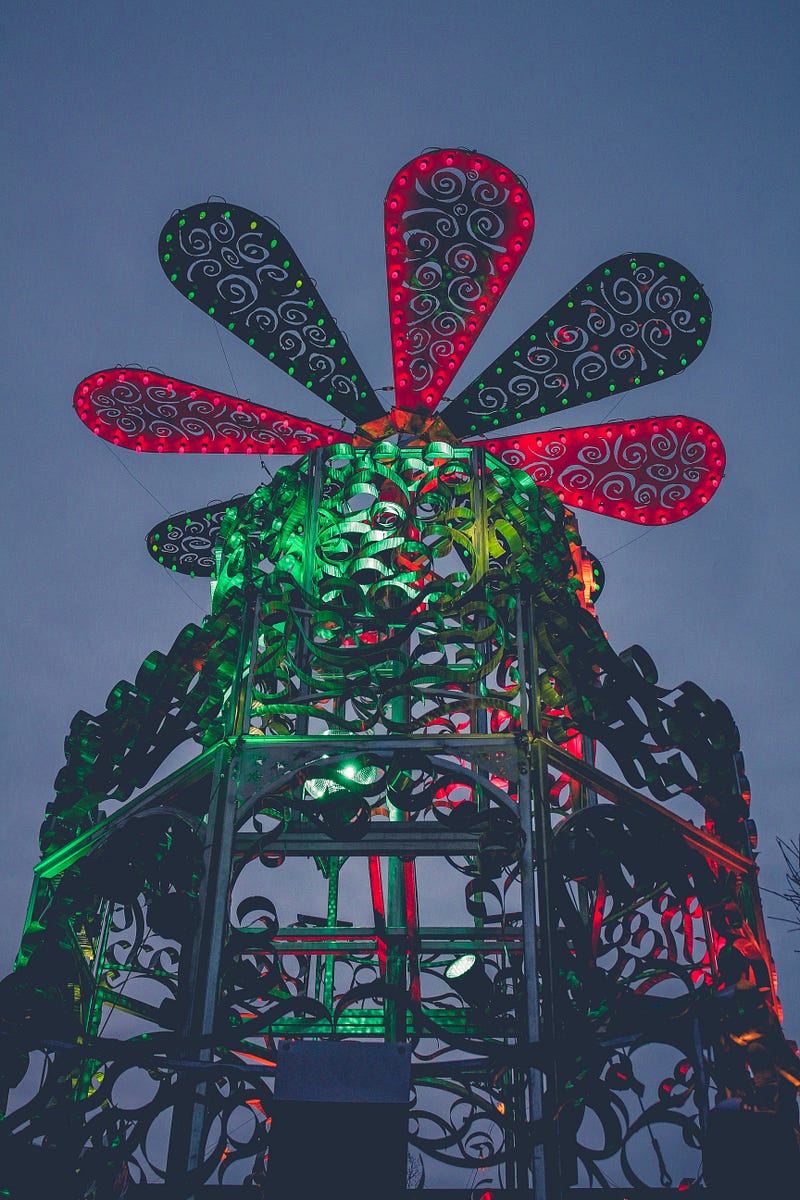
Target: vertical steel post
<point x="396" y="1012"/>
<point x="543" y="835"/>
<point x="334" y="864"/>
<point x="189" y="1127"/>
<point x="94" y="1014"/>
<point x="396" y="1022"/>
<point x="481" y="526"/>
<point x="313" y="494"/>
<point x="528" y="702"/>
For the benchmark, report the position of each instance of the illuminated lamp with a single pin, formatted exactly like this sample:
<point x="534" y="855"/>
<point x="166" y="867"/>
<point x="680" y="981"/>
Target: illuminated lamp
<point x="469" y="980"/>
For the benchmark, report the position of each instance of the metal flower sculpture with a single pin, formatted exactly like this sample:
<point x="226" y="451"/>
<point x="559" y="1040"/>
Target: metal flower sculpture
<point x="457" y="227"/>
<point x="402" y="663"/>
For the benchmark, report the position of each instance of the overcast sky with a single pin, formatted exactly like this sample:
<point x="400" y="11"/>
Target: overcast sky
<point x="638" y="126"/>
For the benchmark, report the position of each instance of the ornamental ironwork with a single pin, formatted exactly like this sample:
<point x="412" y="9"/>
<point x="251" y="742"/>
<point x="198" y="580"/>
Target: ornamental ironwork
<point x="394" y="826"/>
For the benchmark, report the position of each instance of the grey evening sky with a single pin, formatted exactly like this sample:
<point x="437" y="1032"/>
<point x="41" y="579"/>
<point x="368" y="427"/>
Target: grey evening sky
<point x="639" y="126"/>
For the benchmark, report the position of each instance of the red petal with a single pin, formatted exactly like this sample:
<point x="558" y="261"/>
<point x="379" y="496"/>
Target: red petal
<point x="457" y="226"/>
<point x="142" y="410"/>
<point x="651" y="472"/>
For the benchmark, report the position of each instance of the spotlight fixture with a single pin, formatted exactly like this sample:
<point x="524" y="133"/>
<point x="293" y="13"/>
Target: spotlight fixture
<point x="469" y="979"/>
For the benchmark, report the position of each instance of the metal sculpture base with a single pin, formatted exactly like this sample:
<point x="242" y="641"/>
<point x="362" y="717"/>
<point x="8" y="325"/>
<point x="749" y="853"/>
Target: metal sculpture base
<point x="399" y="690"/>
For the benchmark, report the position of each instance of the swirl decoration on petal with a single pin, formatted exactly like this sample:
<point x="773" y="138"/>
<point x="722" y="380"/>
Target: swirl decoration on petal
<point x="185" y="542"/>
<point x="143" y="411"/>
<point x="457" y="227"/>
<point x="239" y="268"/>
<point x="651" y="472"/>
<point x="634" y="320"/>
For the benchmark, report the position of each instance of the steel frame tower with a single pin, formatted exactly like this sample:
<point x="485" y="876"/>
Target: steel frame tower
<point x="402" y="669"/>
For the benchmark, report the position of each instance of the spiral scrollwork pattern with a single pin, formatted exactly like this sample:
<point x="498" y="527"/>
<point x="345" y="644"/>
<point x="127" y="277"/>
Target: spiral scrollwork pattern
<point x="651" y="472"/>
<point x="635" y="319"/>
<point x="371" y="649"/>
<point x="238" y="267"/>
<point x="144" y="411"/>
<point x="185" y="542"/>
<point x="402" y="662"/>
<point x="457" y="226"/>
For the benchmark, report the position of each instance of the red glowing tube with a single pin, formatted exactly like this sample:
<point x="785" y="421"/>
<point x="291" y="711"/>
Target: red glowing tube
<point x="378" y="909"/>
<point x="144" y="411"/>
<point x="457" y="227"/>
<point x="651" y="472"/>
